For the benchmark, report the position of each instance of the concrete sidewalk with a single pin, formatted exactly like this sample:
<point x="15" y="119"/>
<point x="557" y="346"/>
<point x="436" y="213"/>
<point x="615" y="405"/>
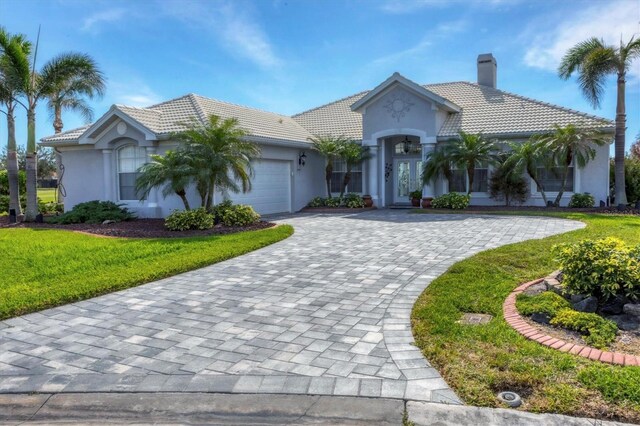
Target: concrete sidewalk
<point x="255" y="409"/>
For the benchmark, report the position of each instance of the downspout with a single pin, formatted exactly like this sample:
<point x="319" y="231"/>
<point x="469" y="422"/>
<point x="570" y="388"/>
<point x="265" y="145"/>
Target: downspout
<point x="61" y="193"/>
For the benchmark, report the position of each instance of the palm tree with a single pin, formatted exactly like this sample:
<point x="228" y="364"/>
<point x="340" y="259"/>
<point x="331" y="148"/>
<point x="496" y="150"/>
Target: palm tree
<point x="571" y="143"/>
<point x="13" y="49"/>
<point x="594" y="60"/>
<point x="470" y="151"/>
<point x="220" y="156"/>
<point x="171" y="170"/>
<point x="437" y="163"/>
<point x="70" y="93"/>
<point x="528" y="156"/>
<point x="329" y="147"/>
<point x="352" y="153"/>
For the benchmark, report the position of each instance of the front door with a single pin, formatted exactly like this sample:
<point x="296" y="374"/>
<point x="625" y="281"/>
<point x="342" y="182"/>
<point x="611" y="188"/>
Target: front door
<point x="406" y="178"/>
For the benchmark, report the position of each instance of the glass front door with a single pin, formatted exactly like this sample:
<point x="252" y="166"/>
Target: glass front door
<point x="406" y="178"/>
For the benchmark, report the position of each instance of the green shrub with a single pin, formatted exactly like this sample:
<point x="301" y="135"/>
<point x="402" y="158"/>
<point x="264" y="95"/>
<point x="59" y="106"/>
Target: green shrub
<point x="452" y="200"/>
<point x="94" y="212"/>
<point x="50" y="208"/>
<point x="631" y="179"/>
<point x="333" y="202"/>
<point x="317" y="202"/>
<point x="598" y="331"/>
<point x="240" y="215"/>
<point x="219" y="209"/>
<point x="189" y="219"/>
<point x="602" y="268"/>
<point x="581" y="201"/>
<point x="547" y="302"/>
<point x="353" y="201"/>
<point x="616" y="384"/>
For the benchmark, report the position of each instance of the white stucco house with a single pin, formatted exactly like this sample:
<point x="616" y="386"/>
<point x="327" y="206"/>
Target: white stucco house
<point x="399" y="120"/>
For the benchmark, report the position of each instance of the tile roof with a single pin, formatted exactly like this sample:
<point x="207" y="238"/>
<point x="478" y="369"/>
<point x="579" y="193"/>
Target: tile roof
<point x="67" y="136"/>
<point x="484" y="109"/>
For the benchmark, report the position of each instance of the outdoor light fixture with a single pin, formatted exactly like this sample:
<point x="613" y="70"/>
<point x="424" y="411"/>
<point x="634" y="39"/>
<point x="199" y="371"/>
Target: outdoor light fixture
<point x="302" y="159"/>
<point x="407" y="145"/>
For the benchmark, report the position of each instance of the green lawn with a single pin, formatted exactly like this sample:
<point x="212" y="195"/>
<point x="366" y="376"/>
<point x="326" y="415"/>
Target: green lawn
<point x="47" y="195"/>
<point x="479" y="361"/>
<point x="43" y="268"/>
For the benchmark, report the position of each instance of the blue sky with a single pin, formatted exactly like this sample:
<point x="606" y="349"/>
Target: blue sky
<point x="287" y="56"/>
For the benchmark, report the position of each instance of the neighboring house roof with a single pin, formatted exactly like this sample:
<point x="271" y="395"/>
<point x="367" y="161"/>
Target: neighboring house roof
<point x="483" y="109"/>
<point x="170" y="116"/>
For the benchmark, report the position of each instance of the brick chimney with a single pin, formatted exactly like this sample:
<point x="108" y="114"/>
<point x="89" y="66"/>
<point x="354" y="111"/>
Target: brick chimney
<point x="487" y="70"/>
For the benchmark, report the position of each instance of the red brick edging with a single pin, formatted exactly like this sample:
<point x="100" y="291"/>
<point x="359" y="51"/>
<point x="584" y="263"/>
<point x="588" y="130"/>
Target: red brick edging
<point x="516" y="321"/>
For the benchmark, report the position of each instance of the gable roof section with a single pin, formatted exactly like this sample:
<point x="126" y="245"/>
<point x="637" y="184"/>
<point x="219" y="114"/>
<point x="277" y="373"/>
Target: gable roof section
<point x="164" y="118"/>
<point x="397" y="79"/>
<point x="483" y="109"/>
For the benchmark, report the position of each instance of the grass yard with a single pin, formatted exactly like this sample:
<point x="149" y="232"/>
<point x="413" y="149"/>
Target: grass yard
<point x="45" y="268"/>
<point x="47" y="195"/>
<point x="479" y="361"/>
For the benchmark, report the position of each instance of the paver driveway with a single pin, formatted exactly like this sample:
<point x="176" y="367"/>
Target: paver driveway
<point x="323" y="312"/>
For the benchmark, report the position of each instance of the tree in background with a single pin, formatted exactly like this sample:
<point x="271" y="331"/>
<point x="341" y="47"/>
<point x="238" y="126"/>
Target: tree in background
<point x="46" y="160"/>
<point x="506" y="183"/>
<point x="353" y="154"/>
<point x="593" y="60"/>
<point x="527" y="157"/>
<point x="329" y="147"/>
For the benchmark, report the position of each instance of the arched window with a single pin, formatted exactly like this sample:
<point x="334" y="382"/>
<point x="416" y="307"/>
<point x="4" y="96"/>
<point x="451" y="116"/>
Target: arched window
<point x="130" y="158"/>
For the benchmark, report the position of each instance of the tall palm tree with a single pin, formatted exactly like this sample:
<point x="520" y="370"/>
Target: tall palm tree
<point x="220" y="156"/>
<point x="594" y="60"/>
<point x="353" y="154"/>
<point x="437" y="163"/>
<point x="70" y="93"/>
<point x="172" y="171"/>
<point x="527" y="156"/>
<point x="571" y="143"/>
<point x="469" y="151"/>
<point x="13" y="50"/>
<point x="329" y="147"/>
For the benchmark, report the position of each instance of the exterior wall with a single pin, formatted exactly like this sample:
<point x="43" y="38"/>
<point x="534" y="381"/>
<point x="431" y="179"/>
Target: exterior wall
<point x="421" y="115"/>
<point x="83" y="178"/>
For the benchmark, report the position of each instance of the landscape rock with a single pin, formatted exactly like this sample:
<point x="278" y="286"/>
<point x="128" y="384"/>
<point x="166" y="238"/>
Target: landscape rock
<point x="536" y="289"/>
<point x="614" y="306"/>
<point x="541" y="318"/>
<point x="575" y="298"/>
<point x="626" y="322"/>
<point x="632" y="309"/>
<point x="590" y="304"/>
<point x="108" y="222"/>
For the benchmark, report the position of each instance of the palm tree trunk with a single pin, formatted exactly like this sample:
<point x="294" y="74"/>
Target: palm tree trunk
<point x="183" y="196"/>
<point x="565" y="172"/>
<point x="32" y="167"/>
<point x="212" y="188"/>
<point x="202" y="191"/>
<point x="345" y="182"/>
<point x="57" y="122"/>
<point x="539" y="185"/>
<point x="328" y="173"/>
<point x="471" y="170"/>
<point x="621" y="122"/>
<point x="12" y="164"/>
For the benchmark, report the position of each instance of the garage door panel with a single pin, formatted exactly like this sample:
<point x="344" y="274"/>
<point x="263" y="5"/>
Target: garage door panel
<point x="270" y="188"/>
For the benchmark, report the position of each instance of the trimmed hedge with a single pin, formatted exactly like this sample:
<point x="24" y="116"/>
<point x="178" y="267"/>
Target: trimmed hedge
<point x="581" y="201"/>
<point x="452" y="200"/>
<point x="189" y="219"/>
<point x="94" y="212"/>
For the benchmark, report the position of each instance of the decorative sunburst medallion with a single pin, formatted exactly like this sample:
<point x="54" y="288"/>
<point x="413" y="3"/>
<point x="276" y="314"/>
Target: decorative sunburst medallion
<point x="398" y="106"/>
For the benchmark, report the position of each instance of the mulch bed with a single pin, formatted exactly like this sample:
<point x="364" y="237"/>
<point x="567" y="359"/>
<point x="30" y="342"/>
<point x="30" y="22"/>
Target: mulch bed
<point x="603" y="210"/>
<point x="138" y="228"/>
<point x="336" y="209"/>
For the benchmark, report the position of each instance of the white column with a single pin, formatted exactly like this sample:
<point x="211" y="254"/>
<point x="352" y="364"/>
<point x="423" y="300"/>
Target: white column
<point x="107" y="174"/>
<point x="152" y="198"/>
<point x="373" y="174"/>
<point x="428" y="190"/>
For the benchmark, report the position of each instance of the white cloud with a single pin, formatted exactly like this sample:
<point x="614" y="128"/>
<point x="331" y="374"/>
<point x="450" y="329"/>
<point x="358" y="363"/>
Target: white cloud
<point x="550" y="40"/>
<point x="91" y="22"/>
<point x="408" y="6"/>
<point x="134" y="93"/>
<point x="234" y="28"/>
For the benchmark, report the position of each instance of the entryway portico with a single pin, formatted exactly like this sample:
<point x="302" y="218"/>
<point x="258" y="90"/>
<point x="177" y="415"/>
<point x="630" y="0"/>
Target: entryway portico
<point x="400" y="121"/>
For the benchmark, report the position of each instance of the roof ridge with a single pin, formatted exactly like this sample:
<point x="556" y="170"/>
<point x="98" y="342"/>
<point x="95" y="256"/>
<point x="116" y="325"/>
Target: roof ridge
<point x="170" y="100"/>
<point x="547" y="104"/>
<point x="330" y="103"/>
<point x="147" y="109"/>
<point x="238" y="105"/>
<point x="196" y="105"/>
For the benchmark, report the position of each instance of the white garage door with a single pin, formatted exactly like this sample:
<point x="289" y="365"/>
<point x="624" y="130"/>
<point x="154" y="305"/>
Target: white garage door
<point x="270" y="188"/>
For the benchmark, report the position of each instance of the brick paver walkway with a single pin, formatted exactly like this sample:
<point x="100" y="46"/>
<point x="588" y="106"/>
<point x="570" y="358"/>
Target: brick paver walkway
<point x="323" y="312"/>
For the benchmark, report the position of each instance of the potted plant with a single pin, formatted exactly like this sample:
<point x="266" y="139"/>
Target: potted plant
<point x="368" y="201"/>
<point x="415" y="197"/>
<point x="426" y="202"/>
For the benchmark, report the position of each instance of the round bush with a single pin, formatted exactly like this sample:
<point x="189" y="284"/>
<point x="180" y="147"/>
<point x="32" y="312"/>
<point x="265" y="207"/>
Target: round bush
<point x="581" y="201"/>
<point x="240" y="215"/>
<point x="94" y="212"/>
<point x="219" y="209"/>
<point x="316" y="202"/>
<point x="452" y="200"/>
<point x="189" y="219"/>
<point x="333" y="202"/>
<point x="353" y="201"/>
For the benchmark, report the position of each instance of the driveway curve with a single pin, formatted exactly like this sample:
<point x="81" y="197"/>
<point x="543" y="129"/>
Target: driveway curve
<point x="325" y="312"/>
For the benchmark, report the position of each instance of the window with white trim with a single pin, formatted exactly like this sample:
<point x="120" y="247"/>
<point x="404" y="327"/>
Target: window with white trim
<point x="551" y="179"/>
<point x="337" y="178"/>
<point x="130" y="159"/>
<point x="460" y="181"/>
